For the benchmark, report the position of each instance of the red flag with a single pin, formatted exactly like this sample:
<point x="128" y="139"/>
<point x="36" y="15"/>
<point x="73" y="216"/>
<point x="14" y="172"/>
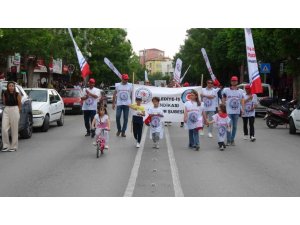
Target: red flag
<point x="256" y="86"/>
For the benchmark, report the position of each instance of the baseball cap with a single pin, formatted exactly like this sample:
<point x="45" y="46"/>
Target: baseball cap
<point x="234" y="78"/>
<point x="92" y="80"/>
<point x="125" y="76"/>
<point x="186" y="84"/>
<point x="138" y="98"/>
<point x="247" y="86"/>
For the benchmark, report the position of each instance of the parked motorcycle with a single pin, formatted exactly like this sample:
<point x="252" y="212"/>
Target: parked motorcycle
<point x="278" y="114"/>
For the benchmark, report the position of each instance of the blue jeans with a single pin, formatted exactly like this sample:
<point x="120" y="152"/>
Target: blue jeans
<point x="194" y="138"/>
<point x="88" y="116"/>
<point x="233" y="121"/>
<point x="125" y="110"/>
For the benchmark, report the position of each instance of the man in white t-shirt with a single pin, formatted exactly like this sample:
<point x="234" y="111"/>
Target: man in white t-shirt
<point x="89" y="107"/>
<point x="122" y="97"/>
<point x="234" y="100"/>
<point x="209" y="96"/>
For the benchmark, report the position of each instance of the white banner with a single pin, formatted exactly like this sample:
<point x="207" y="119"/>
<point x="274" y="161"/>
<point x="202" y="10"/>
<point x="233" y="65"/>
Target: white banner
<point x="177" y="71"/>
<point x="171" y="99"/>
<point x="213" y="77"/>
<point x="254" y="77"/>
<point x="112" y="67"/>
<point x="146" y="76"/>
<point x="57" y="66"/>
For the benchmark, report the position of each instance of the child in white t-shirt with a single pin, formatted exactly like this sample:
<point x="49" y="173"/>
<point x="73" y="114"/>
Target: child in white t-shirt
<point x="222" y="122"/>
<point x="101" y="121"/>
<point x="156" y="124"/>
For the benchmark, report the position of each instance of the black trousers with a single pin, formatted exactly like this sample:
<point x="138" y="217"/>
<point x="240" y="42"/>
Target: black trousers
<point x="251" y="125"/>
<point x="88" y="116"/>
<point x="137" y="131"/>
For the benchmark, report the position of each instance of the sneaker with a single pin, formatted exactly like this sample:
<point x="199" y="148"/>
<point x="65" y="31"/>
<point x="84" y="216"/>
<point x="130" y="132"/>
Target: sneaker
<point x="232" y="143"/>
<point x="118" y="133"/>
<point x="138" y="145"/>
<point x="222" y="148"/>
<point x="210" y="135"/>
<point x="94" y="143"/>
<point x="4" y="150"/>
<point x="252" y="138"/>
<point x="106" y="146"/>
<point x="228" y="143"/>
<point x="123" y="134"/>
<point x="157" y="146"/>
<point x="181" y="124"/>
<point x="245" y="137"/>
<point x="201" y="132"/>
<point x="154" y="145"/>
<point x="87" y="134"/>
<point x="197" y="148"/>
<point x="12" y="150"/>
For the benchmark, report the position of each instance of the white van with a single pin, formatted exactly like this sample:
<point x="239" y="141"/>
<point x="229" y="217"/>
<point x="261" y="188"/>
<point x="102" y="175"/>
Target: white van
<point x="267" y="92"/>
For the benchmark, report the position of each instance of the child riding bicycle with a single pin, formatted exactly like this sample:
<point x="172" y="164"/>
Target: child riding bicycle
<point x="101" y="125"/>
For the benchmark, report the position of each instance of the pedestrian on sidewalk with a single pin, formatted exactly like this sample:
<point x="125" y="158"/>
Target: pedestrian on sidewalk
<point x="249" y="112"/>
<point x="137" y="120"/>
<point x="122" y="97"/>
<point x="10" y="118"/>
<point x="194" y="118"/>
<point x="222" y="122"/>
<point x="101" y="121"/>
<point x="156" y="124"/>
<point x="234" y="99"/>
<point x="89" y="107"/>
<point x="209" y="97"/>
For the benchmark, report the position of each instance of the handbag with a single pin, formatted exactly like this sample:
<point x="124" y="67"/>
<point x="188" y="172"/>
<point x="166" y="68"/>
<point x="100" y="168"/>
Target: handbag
<point x="147" y="121"/>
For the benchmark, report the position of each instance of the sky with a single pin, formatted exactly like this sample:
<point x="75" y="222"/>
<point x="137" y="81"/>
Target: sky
<point x="166" y="39"/>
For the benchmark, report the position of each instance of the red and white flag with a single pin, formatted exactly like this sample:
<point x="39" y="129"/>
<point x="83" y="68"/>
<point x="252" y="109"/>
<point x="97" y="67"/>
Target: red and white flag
<point x="254" y="77"/>
<point x="213" y="77"/>
<point x="84" y="66"/>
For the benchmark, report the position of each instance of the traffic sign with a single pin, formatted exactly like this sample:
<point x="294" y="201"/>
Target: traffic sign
<point x="265" y="67"/>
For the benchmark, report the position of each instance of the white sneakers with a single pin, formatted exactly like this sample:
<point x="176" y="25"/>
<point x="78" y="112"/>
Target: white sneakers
<point x="245" y="137"/>
<point x="106" y="146"/>
<point x="210" y="135"/>
<point x="252" y="138"/>
<point x="202" y="132"/>
<point x="138" y="145"/>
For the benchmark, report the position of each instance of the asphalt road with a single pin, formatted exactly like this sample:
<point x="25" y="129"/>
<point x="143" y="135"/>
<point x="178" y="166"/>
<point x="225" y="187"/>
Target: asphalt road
<point x="62" y="162"/>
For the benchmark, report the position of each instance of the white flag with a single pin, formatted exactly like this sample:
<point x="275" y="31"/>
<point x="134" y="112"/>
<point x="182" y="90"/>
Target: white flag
<point x="177" y="71"/>
<point x="254" y="77"/>
<point x="213" y="77"/>
<point x="181" y="79"/>
<point x="84" y="66"/>
<point x="146" y="76"/>
<point x="112" y="67"/>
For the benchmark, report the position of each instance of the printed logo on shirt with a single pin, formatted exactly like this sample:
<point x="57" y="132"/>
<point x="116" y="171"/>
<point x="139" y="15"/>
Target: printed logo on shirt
<point x="222" y="131"/>
<point x="123" y="96"/>
<point x="145" y="94"/>
<point x="207" y="102"/>
<point x="185" y="96"/>
<point x="248" y="108"/>
<point x="89" y="101"/>
<point x="155" y="121"/>
<point x="234" y="104"/>
<point x="193" y="117"/>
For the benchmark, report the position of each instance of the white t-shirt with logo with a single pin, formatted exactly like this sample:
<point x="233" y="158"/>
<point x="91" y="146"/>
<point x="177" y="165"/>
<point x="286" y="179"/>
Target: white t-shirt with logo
<point x="91" y="103"/>
<point x="222" y="125"/>
<point x="248" y="112"/>
<point x="194" y="114"/>
<point x="156" y="123"/>
<point x="124" y="93"/>
<point x="233" y="100"/>
<point x="210" y="104"/>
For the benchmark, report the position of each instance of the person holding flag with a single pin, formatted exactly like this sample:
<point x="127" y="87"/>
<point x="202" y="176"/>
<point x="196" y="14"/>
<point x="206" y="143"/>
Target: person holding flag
<point x="89" y="107"/>
<point x="209" y="96"/>
<point x="234" y="100"/>
<point x="122" y="97"/>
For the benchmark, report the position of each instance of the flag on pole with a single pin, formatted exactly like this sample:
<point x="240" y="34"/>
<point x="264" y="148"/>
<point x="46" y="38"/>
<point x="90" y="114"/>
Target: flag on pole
<point x="112" y="67"/>
<point x="181" y="79"/>
<point x="84" y="66"/>
<point x="146" y="76"/>
<point x="254" y="77"/>
<point x="213" y="77"/>
<point x="177" y="71"/>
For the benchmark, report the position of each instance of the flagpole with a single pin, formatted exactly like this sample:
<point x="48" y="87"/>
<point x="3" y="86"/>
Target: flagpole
<point x="202" y="80"/>
<point x="133" y="77"/>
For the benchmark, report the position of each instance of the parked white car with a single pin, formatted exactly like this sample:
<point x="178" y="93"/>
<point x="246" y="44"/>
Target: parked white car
<point x="47" y="107"/>
<point x="295" y="120"/>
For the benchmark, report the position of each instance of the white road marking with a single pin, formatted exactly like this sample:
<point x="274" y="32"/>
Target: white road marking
<point x="174" y="170"/>
<point x="135" y="169"/>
